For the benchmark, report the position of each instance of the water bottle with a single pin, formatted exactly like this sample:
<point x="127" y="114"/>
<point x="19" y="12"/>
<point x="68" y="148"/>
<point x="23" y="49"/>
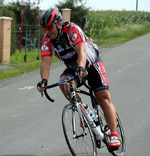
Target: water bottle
<point x="92" y="115"/>
<point x="90" y="112"/>
<point x="96" y="116"/>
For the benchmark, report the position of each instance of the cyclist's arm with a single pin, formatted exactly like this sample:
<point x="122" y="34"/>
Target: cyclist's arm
<point x="78" y="39"/>
<point x="45" y="67"/>
<point x="81" y="51"/>
<point x="46" y="56"/>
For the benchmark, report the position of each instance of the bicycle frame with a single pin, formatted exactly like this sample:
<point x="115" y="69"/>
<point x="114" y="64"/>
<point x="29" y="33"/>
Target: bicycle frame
<point x="96" y="129"/>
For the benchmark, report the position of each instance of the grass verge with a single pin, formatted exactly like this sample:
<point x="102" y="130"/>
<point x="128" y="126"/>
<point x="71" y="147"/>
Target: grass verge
<point x="124" y="33"/>
<point x="18" y="66"/>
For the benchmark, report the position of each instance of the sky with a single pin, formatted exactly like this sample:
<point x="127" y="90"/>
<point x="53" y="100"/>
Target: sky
<point x="143" y="5"/>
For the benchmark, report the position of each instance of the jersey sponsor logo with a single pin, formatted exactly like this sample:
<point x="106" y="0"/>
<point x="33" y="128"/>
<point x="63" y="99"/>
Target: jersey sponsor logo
<point x="71" y="65"/>
<point x="77" y="41"/>
<point x="67" y="46"/>
<point x="60" y="50"/>
<point x="46" y="40"/>
<point x="74" y="37"/>
<point x="70" y="33"/>
<point x="43" y="54"/>
<point x="59" y="46"/>
<point x="45" y="48"/>
<point x="68" y="55"/>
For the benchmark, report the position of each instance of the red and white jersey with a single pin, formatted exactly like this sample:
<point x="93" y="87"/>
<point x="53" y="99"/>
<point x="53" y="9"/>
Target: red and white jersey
<point x="64" y="48"/>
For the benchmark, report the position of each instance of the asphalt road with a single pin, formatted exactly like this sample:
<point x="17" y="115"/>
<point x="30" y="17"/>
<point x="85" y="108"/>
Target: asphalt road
<point x="31" y="125"/>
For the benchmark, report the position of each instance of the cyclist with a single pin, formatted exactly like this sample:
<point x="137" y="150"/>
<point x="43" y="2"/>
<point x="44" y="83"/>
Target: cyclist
<point x="69" y="43"/>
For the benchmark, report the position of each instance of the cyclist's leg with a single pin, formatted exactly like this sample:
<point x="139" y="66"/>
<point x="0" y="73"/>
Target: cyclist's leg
<point x="66" y="88"/>
<point x="98" y="81"/>
<point x="103" y="98"/>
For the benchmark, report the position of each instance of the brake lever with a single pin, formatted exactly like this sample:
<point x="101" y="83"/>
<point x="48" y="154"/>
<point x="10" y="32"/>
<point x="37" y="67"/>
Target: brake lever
<point x="80" y="78"/>
<point x="84" y="83"/>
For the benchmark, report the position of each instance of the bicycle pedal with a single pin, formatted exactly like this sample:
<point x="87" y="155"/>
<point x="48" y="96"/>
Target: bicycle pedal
<point x="114" y="148"/>
<point x="108" y="132"/>
<point x="98" y="144"/>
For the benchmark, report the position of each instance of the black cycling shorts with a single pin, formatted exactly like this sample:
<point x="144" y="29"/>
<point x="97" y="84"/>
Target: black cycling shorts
<point x="96" y="77"/>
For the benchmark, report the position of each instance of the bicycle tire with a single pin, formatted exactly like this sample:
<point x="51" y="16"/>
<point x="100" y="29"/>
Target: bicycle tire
<point x="80" y="146"/>
<point x="121" y="150"/>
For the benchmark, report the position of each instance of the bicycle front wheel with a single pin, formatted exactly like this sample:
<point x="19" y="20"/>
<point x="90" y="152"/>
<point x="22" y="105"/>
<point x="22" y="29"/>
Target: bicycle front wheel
<point x="79" y="143"/>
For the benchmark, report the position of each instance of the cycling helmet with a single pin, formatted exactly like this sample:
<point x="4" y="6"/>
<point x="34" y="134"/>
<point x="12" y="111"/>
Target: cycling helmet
<point x="50" y="17"/>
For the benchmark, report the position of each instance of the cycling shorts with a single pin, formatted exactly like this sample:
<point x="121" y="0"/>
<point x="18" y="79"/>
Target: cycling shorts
<point x="96" y="77"/>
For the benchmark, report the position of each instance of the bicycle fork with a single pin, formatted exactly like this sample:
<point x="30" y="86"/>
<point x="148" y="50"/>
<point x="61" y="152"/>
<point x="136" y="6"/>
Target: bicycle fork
<point x="75" y="107"/>
<point x="73" y="122"/>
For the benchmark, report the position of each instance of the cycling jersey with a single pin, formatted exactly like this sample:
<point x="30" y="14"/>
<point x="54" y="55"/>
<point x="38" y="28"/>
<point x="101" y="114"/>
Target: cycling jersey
<point x="64" y="48"/>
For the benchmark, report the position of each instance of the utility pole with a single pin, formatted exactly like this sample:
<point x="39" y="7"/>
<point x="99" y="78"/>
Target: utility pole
<point x="136" y="5"/>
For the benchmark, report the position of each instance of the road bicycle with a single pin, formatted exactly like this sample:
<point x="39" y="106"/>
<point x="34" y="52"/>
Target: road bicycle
<point x="85" y="131"/>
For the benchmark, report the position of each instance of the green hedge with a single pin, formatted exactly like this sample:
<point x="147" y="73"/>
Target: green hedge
<point x="8" y="13"/>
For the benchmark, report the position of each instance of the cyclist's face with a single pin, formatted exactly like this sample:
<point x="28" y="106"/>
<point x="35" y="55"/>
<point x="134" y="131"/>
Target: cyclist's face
<point x="52" y="31"/>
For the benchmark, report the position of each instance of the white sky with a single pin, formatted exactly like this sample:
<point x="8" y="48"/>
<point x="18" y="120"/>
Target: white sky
<point x="143" y="5"/>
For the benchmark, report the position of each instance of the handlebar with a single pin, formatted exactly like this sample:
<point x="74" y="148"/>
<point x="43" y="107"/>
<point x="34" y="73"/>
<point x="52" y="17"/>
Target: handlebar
<point x="67" y="80"/>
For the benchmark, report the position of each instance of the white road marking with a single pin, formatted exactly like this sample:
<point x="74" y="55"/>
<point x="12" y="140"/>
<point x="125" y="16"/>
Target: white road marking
<point x="26" y="88"/>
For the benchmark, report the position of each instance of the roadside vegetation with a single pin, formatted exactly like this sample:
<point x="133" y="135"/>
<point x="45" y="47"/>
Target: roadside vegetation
<point x="104" y="27"/>
<point x="114" y="27"/>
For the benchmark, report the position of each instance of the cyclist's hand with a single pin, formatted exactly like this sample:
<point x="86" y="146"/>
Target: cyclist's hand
<point x="41" y="85"/>
<point x="81" y="73"/>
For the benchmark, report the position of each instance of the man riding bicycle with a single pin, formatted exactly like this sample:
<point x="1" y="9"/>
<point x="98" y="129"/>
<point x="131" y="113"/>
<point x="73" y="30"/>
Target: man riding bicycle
<point x="69" y="43"/>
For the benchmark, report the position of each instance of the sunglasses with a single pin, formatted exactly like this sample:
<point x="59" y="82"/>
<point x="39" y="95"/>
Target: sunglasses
<point x="48" y="28"/>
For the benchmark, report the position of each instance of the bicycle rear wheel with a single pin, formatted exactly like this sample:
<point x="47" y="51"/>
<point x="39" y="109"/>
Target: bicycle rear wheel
<point x="121" y="150"/>
<point x="81" y="145"/>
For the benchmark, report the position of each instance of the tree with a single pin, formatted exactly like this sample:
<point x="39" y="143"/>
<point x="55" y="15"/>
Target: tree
<point x="15" y="9"/>
<point x="2" y="1"/>
<point x="30" y="18"/>
<point x="78" y="10"/>
<point x="32" y="12"/>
